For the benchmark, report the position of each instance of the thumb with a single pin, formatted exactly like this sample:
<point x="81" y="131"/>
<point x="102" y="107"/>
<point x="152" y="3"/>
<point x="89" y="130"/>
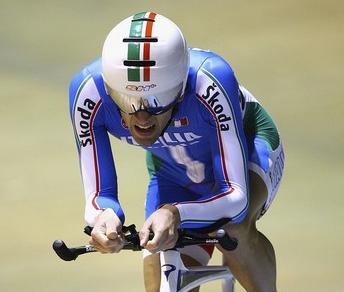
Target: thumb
<point x="144" y="234"/>
<point x="112" y="235"/>
<point x="112" y="229"/>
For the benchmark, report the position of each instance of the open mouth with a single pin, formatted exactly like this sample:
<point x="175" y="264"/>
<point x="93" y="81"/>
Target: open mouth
<point x="145" y="130"/>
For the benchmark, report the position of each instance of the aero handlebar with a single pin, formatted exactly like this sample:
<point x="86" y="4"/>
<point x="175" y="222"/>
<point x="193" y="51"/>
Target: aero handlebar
<point x="186" y="237"/>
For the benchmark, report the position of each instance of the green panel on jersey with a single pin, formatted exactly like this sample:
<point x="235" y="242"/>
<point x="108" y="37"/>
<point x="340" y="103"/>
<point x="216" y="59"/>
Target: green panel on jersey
<point x="258" y="122"/>
<point x="153" y="162"/>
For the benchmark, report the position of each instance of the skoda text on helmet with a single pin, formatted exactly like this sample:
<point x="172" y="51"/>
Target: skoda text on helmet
<point x="145" y="63"/>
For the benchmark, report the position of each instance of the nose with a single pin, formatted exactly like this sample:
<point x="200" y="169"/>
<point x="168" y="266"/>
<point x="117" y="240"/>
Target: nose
<point x="142" y="116"/>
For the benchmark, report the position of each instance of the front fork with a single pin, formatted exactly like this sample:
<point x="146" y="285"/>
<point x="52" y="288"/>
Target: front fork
<point x="175" y="277"/>
<point x="171" y="268"/>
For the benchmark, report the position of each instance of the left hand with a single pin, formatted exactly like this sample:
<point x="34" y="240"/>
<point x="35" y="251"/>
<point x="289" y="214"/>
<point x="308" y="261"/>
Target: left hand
<point x="163" y="223"/>
<point x="107" y="235"/>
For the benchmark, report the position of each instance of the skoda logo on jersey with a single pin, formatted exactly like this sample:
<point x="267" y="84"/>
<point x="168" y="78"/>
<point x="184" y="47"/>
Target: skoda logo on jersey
<point x="140" y="88"/>
<point x="213" y="96"/>
<point x="84" y="123"/>
<point x="168" y="270"/>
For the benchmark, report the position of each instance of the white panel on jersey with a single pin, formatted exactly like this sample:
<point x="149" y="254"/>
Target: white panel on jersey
<point x="215" y="99"/>
<point x="195" y="169"/>
<point x="218" y="104"/>
<point x="84" y="113"/>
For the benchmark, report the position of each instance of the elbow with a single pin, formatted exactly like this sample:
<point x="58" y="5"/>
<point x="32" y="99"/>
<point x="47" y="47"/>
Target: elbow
<point x="239" y="202"/>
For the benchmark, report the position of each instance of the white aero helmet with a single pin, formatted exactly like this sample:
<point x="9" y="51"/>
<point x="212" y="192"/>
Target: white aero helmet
<point x="145" y="63"/>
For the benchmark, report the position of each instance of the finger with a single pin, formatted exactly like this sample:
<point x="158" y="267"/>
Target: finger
<point x="113" y="228"/>
<point x="171" y="242"/>
<point x="144" y="233"/>
<point x="110" y="247"/>
<point x="98" y="247"/>
<point x="112" y="235"/>
<point x="157" y="241"/>
<point x="119" y="245"/>
<point x="100" y="238"/>
<point x="144" y="236"/>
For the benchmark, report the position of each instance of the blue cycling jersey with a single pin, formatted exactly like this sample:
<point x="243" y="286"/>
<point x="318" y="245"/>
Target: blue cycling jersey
<point x="199" y="163"/>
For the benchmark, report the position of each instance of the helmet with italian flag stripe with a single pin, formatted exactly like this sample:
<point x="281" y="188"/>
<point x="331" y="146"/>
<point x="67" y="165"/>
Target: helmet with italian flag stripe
<point x="145" y="63"/>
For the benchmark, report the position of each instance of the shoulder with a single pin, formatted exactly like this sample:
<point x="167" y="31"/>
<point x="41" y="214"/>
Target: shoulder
<point x="81" y="77"/>
<point x="216" y="70"/>
<point x="88" y="81"/>
<point x="85" y="100"/>
<point x="208" y="68"/>
<point x="87" y="86"/>
<point x="208" y="60"/>
<point x="216" y="89"/>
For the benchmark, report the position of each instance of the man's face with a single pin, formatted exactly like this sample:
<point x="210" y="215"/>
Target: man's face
<point x="144" y="127"/>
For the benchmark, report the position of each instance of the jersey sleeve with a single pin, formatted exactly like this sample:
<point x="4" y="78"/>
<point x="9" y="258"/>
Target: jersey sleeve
<point x="217" y="93"/>
<point x="95" y="156"/>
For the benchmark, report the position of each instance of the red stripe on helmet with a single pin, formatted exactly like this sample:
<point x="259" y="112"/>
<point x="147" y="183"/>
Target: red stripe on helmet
<point x="146" y="46"/>
<point x="146" y="56"/>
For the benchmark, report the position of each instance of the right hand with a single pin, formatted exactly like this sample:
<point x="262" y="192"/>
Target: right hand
<point x="107" y="236"/>
<point x="163" y="223"/>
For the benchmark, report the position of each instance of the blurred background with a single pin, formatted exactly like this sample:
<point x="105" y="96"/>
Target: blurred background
<point x="288" y="53"/>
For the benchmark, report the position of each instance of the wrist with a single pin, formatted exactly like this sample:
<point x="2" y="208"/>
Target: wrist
<point x="174" y="210"/>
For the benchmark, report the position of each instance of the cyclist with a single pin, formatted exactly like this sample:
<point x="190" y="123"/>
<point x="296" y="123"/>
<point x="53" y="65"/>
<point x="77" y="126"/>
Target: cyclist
<point x="213" y="152"/>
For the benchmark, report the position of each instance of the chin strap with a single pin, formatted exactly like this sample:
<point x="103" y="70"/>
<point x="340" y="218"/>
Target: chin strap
<point x="174" y="111"/>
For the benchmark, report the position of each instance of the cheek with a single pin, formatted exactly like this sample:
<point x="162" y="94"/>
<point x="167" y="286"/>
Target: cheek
<point x="126" y="120"/>
<point x="163" y="120"/>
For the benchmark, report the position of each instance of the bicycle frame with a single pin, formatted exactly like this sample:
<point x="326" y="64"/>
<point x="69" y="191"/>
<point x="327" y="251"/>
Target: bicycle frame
<point x="175" y="277"/>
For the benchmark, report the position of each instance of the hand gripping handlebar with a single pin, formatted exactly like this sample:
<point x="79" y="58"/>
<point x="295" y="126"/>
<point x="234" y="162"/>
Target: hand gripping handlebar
<point x="132" y="241"/>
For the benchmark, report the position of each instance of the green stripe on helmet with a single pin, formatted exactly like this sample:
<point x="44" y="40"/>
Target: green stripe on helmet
<point x="133" y="74"/>
<point x="134" y="51"/>
<point x="139" y="15"/>
<point x="133" y="54"/>
<point x="134" y="48"/>
<point x="136" y="29"/>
